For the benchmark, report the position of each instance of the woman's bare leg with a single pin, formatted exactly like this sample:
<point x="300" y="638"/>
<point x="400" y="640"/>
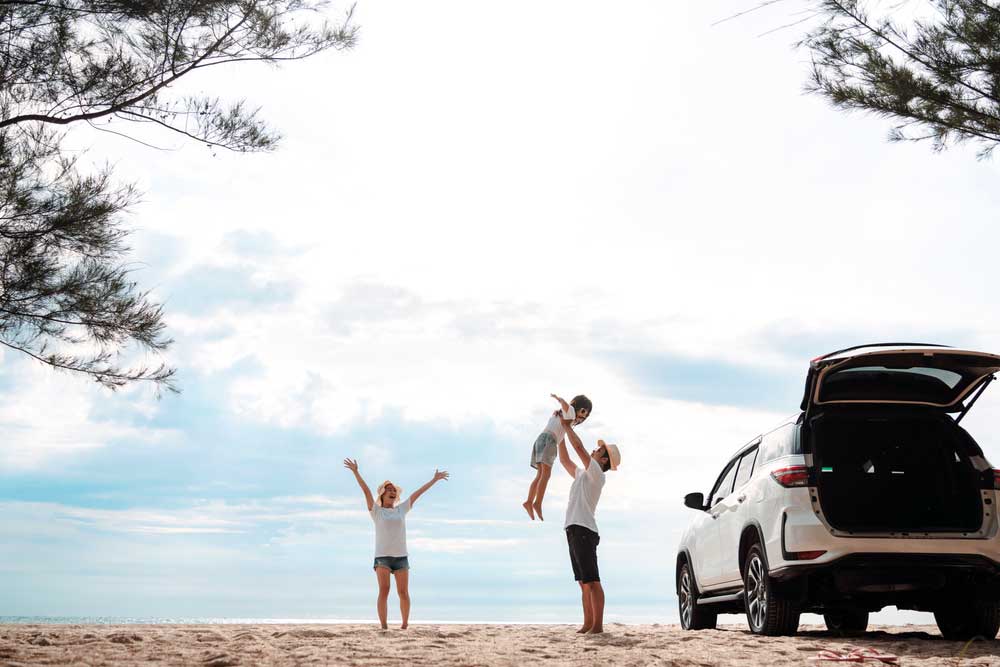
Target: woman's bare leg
<point x="588" y="615"/>
<point x="383" y="596"/>
<point x="527" y="504"/>
<point x="403" y="591"/>
<point x="544" y="472"/>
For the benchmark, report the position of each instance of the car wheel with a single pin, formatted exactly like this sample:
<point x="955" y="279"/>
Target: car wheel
<point x="846" y="622"/>
<point x="767" y="612"/>
<point x="969" y="620"/>
<point x="693" y="617"/>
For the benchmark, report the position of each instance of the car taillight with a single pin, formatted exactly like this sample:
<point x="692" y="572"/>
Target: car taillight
<point x="996" y="478"/>
<point x="805" y="555"/>
<point x="791" y="476"/>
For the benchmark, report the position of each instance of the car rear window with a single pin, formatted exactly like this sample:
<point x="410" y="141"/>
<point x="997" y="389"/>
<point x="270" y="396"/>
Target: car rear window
<point x="778" y="443"/>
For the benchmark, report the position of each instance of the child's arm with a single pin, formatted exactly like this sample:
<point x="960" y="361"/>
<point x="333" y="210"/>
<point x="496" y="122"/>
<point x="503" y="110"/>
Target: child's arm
<point x="567" y="411"/>
<point x="353" y="467"/>
<point x="438" y="475"/>
<point x="574" y="440"/>
<point x="565" y="460"/>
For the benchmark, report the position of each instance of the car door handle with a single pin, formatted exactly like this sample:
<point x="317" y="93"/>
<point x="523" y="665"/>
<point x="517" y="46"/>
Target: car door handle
<point x="741" y="498"/>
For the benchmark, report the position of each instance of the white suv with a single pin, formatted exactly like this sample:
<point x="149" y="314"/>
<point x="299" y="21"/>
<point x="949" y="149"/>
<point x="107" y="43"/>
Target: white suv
<point x="872" y="496"/>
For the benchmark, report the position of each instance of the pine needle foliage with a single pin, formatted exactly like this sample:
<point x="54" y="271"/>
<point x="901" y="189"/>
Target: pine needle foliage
<point x="66" y="296"/>
<point x="931" y="65"/>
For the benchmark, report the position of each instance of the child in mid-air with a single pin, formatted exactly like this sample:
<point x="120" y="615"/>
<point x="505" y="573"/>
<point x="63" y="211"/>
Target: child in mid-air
<point x="543" y="453"/>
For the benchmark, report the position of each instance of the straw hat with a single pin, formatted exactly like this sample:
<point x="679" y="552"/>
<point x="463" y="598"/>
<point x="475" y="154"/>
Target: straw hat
<point x="381" y="489"/>
<point x="614" y="454"/>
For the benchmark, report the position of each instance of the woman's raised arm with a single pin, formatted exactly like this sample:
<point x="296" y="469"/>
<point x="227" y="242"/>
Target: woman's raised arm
<point x="353" y="467"/>
<point x="438" y="475"/>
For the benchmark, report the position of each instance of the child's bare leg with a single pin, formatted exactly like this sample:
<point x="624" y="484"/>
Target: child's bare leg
<point x="383" y="596"/>
<point x="544" y="472"/>
<point x="588" y="611"/>
<point x="403" y="590"/>
<point x="527" y="504"/>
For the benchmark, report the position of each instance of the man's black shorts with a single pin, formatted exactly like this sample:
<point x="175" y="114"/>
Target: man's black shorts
<point x="583" y="553"/>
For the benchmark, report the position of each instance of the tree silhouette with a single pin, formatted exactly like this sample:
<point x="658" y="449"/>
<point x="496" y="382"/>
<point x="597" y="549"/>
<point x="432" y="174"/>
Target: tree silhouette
<point x="932" y="65"/>
<point x="66" y="297"/>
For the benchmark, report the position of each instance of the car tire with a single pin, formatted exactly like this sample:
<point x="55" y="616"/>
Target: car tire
<point x="846" y="622"/>
<point x="969" y="620"/>
<point x="693" y="617"/>
<point x="767" y="612"/>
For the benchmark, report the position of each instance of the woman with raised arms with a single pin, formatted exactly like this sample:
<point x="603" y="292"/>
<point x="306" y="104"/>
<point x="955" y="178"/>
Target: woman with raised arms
<point x="390" y="539"/>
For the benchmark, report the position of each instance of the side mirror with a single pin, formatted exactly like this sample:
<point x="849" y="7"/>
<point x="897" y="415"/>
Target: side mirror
<point x="695" y="501"/>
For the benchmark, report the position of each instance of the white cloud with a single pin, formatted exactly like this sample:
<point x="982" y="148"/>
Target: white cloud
<point x="37" y="429"/>
<point x="463" y="544"/>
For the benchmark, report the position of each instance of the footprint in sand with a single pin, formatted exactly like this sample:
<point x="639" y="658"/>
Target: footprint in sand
<point x="313" y="634"/>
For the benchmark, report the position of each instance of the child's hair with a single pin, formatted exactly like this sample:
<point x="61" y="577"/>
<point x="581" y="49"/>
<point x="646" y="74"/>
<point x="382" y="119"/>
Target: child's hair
<point x="580" y="402"/>
<point x="606" y="465"/>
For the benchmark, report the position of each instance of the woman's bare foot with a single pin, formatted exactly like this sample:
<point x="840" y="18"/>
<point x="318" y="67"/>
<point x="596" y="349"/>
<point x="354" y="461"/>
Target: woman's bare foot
<point x="404" y="626"/>
<point x="527" y="508"/>
<point x="582" y="631"/>
<point x="385" y="627"/>
<point x="596" y="631"/>
<point x="538" y="510"/>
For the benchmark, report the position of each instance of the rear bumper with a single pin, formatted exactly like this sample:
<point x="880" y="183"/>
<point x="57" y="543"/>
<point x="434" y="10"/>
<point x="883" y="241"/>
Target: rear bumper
<point x="892" y="567"/>
<point x="875" y="580"/>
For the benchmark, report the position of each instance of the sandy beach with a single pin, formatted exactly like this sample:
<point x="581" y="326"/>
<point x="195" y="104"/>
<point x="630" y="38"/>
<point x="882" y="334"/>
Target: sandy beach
<point x="223" y="645"/>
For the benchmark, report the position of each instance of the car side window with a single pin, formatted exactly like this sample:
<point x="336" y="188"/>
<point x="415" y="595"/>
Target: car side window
<point x="725" y="486"/>
<point x="746" y="467"/>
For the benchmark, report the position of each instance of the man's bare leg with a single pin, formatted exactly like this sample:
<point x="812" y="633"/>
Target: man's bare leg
<point x="544" y="472"/>
<point x="588" y="616"/>
<point x="527" y="504"/>
<point x="403" y="591"/>
<point x="383" y="596"/>
<point x="597" y="607"/>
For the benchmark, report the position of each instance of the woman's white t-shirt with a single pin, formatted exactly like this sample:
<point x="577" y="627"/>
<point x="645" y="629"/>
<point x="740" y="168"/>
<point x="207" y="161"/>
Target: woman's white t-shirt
<point x="390" y="530"/>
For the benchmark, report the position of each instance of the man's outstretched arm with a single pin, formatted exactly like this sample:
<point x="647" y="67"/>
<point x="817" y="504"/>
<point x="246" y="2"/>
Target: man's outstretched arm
<point x="565" y="460"/>
<point x="574" y="440"/>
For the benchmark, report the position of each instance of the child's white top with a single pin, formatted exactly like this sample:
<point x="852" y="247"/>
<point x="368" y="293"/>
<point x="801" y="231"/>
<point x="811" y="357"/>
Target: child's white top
<point x="555" y="425"/>
<point x="390" y="529"/>
<point x="583" y="496"/>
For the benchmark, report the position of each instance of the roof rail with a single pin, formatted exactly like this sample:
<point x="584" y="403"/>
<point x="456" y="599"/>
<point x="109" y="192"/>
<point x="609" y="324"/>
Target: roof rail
<point x="858" y="347"/>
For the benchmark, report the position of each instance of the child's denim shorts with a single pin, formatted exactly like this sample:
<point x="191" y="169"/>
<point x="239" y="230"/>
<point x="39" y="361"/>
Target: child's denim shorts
<point x="394" y="563"/>
<point x="544" y="450"/>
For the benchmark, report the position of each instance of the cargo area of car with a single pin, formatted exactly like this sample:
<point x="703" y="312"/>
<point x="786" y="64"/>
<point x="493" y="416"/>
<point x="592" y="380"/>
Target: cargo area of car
<point x="896" y="473"/>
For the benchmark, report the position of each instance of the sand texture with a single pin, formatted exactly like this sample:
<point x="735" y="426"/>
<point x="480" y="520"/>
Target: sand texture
<point x="223" y="645"/>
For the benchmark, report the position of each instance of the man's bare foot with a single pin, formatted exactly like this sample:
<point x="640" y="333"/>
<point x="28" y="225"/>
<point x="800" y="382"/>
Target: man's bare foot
<point x="538" y="510"/>
<point x="527" y="508"/>
<point x="404" y="626"/>
<point x="582" y="631"/>
<point x="385" y="627"/>
<point x="596" y="631"/>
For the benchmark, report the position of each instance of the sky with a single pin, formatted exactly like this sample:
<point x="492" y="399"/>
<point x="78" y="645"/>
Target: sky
<point x="480" y="204"/>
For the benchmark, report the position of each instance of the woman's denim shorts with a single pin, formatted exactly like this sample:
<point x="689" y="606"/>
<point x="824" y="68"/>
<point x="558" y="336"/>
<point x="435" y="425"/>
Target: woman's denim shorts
<point x="394" y="563"/>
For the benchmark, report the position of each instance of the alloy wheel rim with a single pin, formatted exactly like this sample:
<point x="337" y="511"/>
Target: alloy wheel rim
<point x="756" y="592"/>
<point x="685" y="598"/>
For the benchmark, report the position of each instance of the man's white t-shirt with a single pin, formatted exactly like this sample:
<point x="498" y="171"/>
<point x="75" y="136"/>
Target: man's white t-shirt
<point x="583" y="496"/>
<point x="390" y="529"/>
<point x="555" y="425"/>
